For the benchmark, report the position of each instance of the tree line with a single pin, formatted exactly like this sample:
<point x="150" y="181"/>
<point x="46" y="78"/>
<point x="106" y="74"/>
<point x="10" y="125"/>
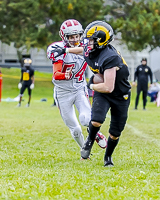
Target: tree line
<point x="36" y="23"/>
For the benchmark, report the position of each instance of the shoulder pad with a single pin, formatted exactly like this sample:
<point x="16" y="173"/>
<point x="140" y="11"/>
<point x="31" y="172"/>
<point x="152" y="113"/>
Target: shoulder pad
<point x="51" y="55"/>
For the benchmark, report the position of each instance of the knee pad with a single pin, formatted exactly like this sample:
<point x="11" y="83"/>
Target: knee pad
<point x="115" y="133"/>
<point x="78" y="136"/>
<point x="113" y="137"/>
<point x="84" y="119"/>
<point x="76" y="132"/>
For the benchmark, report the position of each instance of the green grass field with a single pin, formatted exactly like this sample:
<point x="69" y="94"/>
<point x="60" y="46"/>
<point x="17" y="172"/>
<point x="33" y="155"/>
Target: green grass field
<point x="39" y="160"/>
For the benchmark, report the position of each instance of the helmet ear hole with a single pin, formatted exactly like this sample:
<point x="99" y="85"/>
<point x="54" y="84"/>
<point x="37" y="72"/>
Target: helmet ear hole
<point x="102" y="36"/>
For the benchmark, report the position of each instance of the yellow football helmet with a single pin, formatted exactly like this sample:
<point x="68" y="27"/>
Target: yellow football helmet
<point x="101" y="32"/>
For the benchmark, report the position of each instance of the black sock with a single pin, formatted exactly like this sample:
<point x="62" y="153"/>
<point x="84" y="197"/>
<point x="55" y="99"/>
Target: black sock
<point x="111" y="145"/>
<point x="92" y="131"/>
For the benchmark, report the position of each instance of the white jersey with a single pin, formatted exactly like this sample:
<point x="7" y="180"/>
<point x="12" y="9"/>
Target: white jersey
<point x="77" y="80"/>
<point x="72" y="93"/>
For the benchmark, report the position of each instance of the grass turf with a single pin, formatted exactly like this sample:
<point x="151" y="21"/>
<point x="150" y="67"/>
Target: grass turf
<point x="39" y="160"/>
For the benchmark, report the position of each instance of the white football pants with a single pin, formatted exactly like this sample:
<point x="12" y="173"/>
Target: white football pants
<point x="65" y="103"/>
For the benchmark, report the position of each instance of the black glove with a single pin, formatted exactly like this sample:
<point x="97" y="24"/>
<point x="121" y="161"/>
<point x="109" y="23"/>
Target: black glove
<point x="90" y="81"/>
<point x="59" y="50"/>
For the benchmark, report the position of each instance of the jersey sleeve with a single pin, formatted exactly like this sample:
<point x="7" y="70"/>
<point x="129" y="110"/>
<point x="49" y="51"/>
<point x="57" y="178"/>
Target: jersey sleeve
<point x="151" y="75"/>
<point x="111" y="62"/>
<point x="32" y="72"/>
<point x="51" y="55"/>
<point x="57" y="62"/>
<point x="21" y="75"/>
<point x="135" y="74"/>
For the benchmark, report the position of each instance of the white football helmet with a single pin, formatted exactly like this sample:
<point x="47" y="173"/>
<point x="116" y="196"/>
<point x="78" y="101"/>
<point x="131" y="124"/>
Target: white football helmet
<point x="70" y="27"/>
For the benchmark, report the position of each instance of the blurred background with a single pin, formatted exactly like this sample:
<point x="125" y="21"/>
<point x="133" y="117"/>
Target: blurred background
<point x="28" y="27"/>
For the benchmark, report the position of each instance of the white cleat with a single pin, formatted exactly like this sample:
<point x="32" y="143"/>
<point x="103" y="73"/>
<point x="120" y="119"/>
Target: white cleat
<point x="101" y="140"/>
<point x="18" y="105"/>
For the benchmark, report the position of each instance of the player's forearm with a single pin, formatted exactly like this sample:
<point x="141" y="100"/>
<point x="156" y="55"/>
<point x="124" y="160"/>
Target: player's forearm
<point x="59" y="76"/>
<point x="102" y="88"/>
<point x="75" y="50"/>
<point x="21" y="77"/>
<point x="33" y="79"/>
<point x="109" y="81"/>
<point x="57" y="68"/>
<point x="135" y="77"/>
<point x="151" y="78"/>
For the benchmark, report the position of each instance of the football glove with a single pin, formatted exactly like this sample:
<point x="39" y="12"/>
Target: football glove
<point x="59" y="50"/>
<point x="89" y="85"/>
<point x="32" y="86"/>
<point x="19" y="85"/>
<point x="68" y="73"/>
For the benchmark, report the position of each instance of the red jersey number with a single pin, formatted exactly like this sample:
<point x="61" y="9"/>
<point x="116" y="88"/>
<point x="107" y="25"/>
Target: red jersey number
<point x="79" y="74"/>
<point x="52" y="57"/>
<point x="68" y="67"/>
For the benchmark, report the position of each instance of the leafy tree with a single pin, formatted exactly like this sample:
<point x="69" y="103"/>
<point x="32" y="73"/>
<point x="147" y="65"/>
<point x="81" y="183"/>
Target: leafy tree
<point x="36" y="23"/>
<point x="19" y="22"/>
<point x="84" y="11"/>
<point x="138" y="23"/>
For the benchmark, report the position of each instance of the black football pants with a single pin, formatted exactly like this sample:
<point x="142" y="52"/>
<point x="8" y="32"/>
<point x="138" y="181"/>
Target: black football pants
<point x="144" y="95"/>
<point x="118" y="109"/>
<point x="24" y="86"/>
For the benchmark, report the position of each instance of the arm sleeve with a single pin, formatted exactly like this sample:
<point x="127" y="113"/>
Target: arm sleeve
<point x="151" y="76"/>
<point x="33" y="76"/>
<point x="33" y="79"/>
<point x="21" y="77"/>
<point x="135" y="75"/>
<point x="57" y="68"/>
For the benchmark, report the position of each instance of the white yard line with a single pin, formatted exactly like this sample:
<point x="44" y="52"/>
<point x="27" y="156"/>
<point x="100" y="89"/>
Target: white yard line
<point x="140" y="134"/>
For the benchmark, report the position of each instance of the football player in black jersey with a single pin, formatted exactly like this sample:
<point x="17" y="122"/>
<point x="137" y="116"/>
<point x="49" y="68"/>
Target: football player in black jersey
<point x="113" y="93"/>
<point x="141" y="74"/>
<point x="26" y="81"/>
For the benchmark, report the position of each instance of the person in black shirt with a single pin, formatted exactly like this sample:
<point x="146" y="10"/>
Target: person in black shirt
<point x="141" y="74"/>
<point x="112" y="94"/>
<point x="26" y="81"/>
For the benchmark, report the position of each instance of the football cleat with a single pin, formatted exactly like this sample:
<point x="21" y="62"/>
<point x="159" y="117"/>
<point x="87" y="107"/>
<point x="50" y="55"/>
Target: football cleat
<point x="86" y="149"/>
<point x="101" y="140"/>
<point x="85" y="159"/>
<point x="108" y="162"/>
<point x="27" y="105"/>
<point x="18" y="105"/>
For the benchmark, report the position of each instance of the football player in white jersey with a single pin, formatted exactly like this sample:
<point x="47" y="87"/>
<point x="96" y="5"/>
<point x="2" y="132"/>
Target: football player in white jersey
<point x="70" y="84"/>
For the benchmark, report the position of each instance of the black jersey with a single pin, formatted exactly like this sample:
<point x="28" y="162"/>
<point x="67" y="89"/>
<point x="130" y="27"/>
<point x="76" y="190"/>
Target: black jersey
<point x="26" y="74"/>
<point x="108" y="58"/>
<point x="142" y="73"/>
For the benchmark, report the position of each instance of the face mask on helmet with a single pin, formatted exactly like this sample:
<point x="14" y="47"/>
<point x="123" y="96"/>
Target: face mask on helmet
<point x="74" y="40"/>
<point x="100" y="32"/>
<point x="68" y="28"/>
<point x="27" y="63"/>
